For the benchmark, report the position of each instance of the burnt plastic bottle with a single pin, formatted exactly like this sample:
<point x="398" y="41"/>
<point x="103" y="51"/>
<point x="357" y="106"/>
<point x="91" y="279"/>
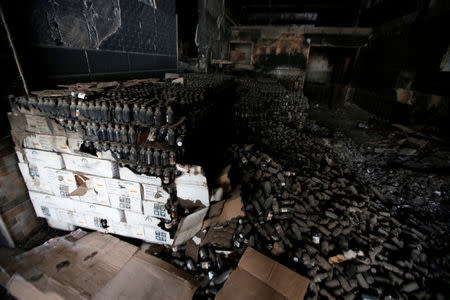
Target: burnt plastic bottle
<point x="89" y="130"/>
<point x="171" y="137"/>
<point x="149" y="156"/>
<point x="180" y="141"/>
<point x="136" y="112"/>
<point x="158" y="172"/>
<point x="102" y="135"/>
<point x="84" y="111"/>
<point x="157" y="158"/>
<point x="40" y="104"/>
<point x="142" y="156"/>
<point x="142" y="114"/>
<point x="97" y="147"/>
<point x="124" y="134"/>
<point x="151" y="171"/>
<point x="69" y="125"/>
<point x="275" y="207"/>
<point x="126" y="113"/>
<point x="169" y="116"/>
<point x="117" y="138"/>
<point x="98" y="111"/>
<point x="164" y="159"/>
<point x="153" y="134"/>
<point x="161" y="135"/>
<point x="91" y="110"/>
<point x="65" y="110"/>
<point x="73" y="108"/>
<point x="149" y="118"/>
<point x="119" y="152"/>
<point x="172" y="159"/>
<point x="133" y="155"/>
<point x="105" y="147"/>
<point x="94" y="130"/>
<point x="118" y="113"/>
<point x="158" y="117"/>
<point x="110" y="133"/>
<point x="105" y="112"/>
<point x="131" y="135"/>
<point x="166" y="176"/>
<point x="78" y="128"/>
<point x="52" y="107"/>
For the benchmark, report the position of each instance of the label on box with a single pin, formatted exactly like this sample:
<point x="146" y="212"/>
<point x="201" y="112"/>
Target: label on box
<point x="71" y="217"/>
<point x="125" y="202"/>
<point x="155" y="193"/>
<point x="157" y="235"/>
<point x="35" y="178"/>
<point x="39" y="141"/>
<point x="155" y="209"/>
<point x="60" y="144"/>
<point x="37" y="124"/>
<point x="123" y="188"/>
<point x="62" y="182"/>
<point x="44" y="158"/>
<point x="98" y="223"/>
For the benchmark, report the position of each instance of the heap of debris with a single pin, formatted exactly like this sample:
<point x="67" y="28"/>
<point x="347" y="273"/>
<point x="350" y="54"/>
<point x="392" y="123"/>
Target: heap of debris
<point x="307" y="210"/>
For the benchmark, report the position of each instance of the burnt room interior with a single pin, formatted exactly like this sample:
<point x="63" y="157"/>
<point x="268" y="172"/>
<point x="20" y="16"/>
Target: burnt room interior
<point x="219" y="149"/>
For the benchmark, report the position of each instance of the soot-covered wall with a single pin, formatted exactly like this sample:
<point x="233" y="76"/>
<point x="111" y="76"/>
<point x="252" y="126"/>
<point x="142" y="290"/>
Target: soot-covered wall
<point x="92" y="40"/>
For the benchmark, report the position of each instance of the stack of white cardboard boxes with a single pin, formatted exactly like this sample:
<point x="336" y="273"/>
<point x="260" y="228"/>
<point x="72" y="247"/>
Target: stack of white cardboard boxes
<point x="70" y="188"/>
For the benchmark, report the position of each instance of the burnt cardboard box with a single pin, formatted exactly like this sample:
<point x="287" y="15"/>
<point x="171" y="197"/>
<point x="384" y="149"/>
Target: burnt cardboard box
<point x="259" y="277"/>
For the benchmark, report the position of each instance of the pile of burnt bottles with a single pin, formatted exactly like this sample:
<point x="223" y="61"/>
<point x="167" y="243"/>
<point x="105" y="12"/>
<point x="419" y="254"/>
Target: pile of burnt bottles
<point x="265" y="104"/>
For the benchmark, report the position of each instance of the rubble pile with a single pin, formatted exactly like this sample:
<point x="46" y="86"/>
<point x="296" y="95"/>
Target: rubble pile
<point x="330" y="227"/>
<point x="307" y="210"/>
<point x="410" y="172"/>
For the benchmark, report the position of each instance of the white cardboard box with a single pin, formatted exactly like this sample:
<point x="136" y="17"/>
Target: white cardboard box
<point x="155" y="193"/>
<point x="37" y="124"/>
<point x="72" y="217"/>
<point x="103" y="212"/>
<point x="58" y="224"/>
<point x="155" y="209"/>
<point x="98" y="223"/>
<point x="157" y="235"/>
<point x="135" y="231"/>
<point x="127" y="174"/>
<point x="125" y="202"/>
<point x="39" y="141"/>
<point x="62" y="182"/>
<point x="192" y="185"/>
<point x="95" y="190"/>
<point x="89" y="165"/>
<point x="43" y="158"/>
<point x="35" y="178"/>
<point x="44" y="203"/>
<point x="134" y="218"/>
<point x="124" y="188"/>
